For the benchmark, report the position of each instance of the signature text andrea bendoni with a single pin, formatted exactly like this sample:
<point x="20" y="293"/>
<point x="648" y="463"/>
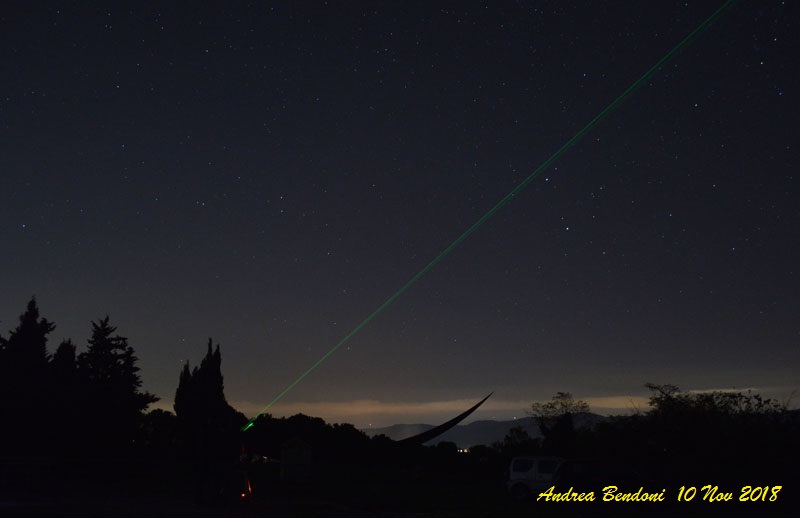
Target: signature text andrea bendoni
<point x="707" y="493"/>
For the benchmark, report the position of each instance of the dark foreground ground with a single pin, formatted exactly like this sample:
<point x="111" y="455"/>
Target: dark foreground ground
<point x="141" y="489"/>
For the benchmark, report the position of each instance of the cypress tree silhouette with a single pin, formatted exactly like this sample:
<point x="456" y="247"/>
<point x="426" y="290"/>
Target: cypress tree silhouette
<point x="203" y="413"/>
<point x="208" y="426"/>
<point x="201" y="395"/>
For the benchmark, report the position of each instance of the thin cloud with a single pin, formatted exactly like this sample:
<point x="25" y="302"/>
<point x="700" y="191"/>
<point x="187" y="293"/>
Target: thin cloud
<point x="372" y="412"/>
<point x="392" y="412"/>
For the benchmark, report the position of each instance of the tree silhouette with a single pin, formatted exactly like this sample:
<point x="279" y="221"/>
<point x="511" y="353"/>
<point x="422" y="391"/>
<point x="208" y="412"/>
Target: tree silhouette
<point x="24" y="384"/>
<point x="26" y="346"/>
<point x="517" y="442"/>
<point x="556" y="424"/>
<point x="157" y="435"/>
<point x="207" y="426"/>
<point x="704" y="429"/>
<point x="64" y="364"/>
<point x="204" y="416"/>
<point x="66" y="416"/>
<point x="200" y="396"/>
<point x="111" y="387"/>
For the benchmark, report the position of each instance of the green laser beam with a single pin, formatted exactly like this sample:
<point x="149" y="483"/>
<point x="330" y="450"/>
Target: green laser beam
<point x="507" y="198"/>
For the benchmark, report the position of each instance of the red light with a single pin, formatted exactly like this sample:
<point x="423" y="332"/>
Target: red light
<point x="244" y="495"/>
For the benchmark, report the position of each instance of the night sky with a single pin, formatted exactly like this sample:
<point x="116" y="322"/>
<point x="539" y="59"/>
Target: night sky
<point x="268" y="173"/>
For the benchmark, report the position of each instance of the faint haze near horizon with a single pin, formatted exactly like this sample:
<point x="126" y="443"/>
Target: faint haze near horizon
<point x="369" y="413"/>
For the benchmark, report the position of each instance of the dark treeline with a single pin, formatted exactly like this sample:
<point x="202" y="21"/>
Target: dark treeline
<point x="86" y="404"/>
<point x="683" y="438"/>
<point x="68" y="404"/>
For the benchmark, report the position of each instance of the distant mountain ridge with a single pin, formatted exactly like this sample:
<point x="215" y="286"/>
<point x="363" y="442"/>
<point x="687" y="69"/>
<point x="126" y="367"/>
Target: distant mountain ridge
<point x="478" y="432"/>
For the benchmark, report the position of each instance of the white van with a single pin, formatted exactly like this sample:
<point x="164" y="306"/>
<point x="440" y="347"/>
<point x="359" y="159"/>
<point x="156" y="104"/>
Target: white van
<point x="530" y="475"/>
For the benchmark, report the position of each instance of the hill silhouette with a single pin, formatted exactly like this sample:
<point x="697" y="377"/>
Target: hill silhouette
<point x="483" y="432"/>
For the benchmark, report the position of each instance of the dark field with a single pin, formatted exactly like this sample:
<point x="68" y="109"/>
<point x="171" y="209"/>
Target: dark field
<point x="167" y="489"/>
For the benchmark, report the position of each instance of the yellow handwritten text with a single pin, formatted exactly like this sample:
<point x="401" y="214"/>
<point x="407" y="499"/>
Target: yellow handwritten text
<point x="611" y="494"/>
<point x="570" y="495"/>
